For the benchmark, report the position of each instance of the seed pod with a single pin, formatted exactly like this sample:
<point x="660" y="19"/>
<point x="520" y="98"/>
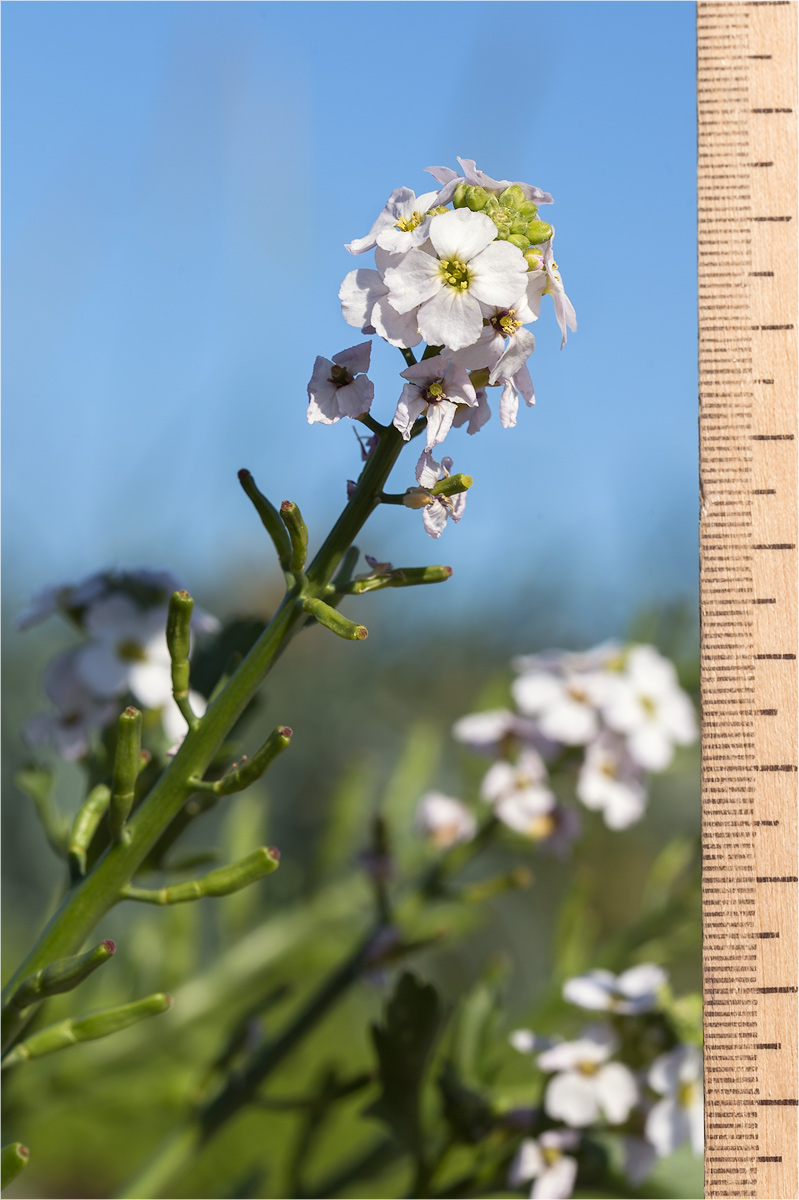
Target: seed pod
<point x="62" y="975"/>
<point x="332" y="619"/>
<point x="126" y="770"/>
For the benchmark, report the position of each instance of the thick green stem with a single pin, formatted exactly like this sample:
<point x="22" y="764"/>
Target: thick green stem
<point x="88" y="899"/>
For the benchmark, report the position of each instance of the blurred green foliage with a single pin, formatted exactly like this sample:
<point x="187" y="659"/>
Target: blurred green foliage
<point x="371" y="733"/>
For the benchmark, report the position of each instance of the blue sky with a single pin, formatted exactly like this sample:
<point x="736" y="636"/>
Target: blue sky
<point x="179" y="180"/>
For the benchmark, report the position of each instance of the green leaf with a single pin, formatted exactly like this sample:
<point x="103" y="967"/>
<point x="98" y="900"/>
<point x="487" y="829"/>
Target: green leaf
<point x="404" y="1043"/>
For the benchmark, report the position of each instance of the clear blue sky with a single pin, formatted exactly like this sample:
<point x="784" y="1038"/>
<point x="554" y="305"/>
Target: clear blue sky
<point x="179" y="180"/>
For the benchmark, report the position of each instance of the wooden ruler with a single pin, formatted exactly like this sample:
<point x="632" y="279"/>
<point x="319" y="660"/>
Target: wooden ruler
<point x="747" y="244"/>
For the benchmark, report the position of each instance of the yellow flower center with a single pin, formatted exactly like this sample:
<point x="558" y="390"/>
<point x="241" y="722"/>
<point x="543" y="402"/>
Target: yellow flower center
<point x="408" y="224"/>
<point x="686" y="1094"/>
<point x="455" y="274"/>
<point x="588" y="1068"/>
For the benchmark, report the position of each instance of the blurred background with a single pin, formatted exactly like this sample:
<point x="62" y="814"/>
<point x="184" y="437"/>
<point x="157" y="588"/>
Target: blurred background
<point x="179" y="183"/>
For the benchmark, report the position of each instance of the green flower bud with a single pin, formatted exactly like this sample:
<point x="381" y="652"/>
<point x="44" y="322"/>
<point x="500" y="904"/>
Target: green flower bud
<point x="512" y="196"/>
<point x="459" y="195"/>
<point x="332" y="619"/>
<point x="126" y="769"/>
<point x="520" y="240"/>
<point x="519" y="225"/>
<point x="533" y="257"/>
<point x="87" y="1028"/>
<point x="527" y="210"/>
<point x="479" y="379"/>
<point x="298" y="534"/>
<point x="62" y="975"/>
<point x="476" y="198"/>
<point x="253" y="768"/>
<point x="451" y="485"/>
<point x="14" y="1157"/>
<point x="538" y="232"/>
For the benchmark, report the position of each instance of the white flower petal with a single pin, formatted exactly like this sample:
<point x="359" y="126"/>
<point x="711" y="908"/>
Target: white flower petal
<point x="415" y="279"/>
<point x="450" y="318"/>
<point x="557" y="1181"/>
<point x="616" y="1090"/>
<point x="463" y="234"/>
<point x="570" y="1097"/>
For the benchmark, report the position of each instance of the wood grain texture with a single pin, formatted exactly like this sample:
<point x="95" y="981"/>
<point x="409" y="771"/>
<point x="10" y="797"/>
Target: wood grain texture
<point x="747" y="247"/>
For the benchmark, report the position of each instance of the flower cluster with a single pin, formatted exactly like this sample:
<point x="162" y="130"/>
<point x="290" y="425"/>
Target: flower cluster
<point x="123" y="617"/>
<point x="622" y="708"/>
<point x="463" y="268"/>
<point x="655" y="1105"/>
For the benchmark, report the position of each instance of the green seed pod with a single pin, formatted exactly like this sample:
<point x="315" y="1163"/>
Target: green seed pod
<point x="126" y="769"/>
<point x="332" y="619"/>
<point x="14" y="1157"/>
<point x="459" y="195"/>
<point x="476" y="198"/>
<point x="411" y="576"/>
<point x="298" y="534"/>
<point x="254" y="768"/>
<point x="451" y="485"/>
<point x="88" y="1028"/>
<point x="512" y="196"/>
<point x="519" y="239"/>
<point x="221" y="882"/>
<point x="538" y="232"/>
<point x="84" y="827"/>
<point x="270" y="519"/>
<point x="62" y="975"/>
<point x="178" y="637"/>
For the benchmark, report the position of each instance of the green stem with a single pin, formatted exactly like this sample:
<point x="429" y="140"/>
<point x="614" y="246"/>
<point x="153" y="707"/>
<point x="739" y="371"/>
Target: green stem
<point x="88" y="899"/>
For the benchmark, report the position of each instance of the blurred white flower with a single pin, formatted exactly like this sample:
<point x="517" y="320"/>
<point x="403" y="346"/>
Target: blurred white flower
<point x="340" y="388"/>
<point x="543" y="1160"/>
<point x="611" y="781"/>
<point x="466" y="265"/>
<point x="496" y="732"/>
<point x="527" y="1042"/>
<point x="565" y="705"/>
<point x="444" y="820"/>
<point x="634" y="991"/>
<point x="518" y="795"/>
<point x="639" y="1158"/>
<point x="679" y="1116"/>
<point x="586" y="1084"/>
<point x="127" y="652"/>
<point x="607" y="655"/>
<point x="79" y="712"/>
<point x="63" y="598"/>
<point x="648" y="706"/>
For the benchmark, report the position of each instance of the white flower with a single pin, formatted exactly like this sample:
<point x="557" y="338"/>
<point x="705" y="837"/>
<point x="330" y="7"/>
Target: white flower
<point x="127" y="652"/>
<point x="564" y="309"/>
<point x="543" y="1160"/>
<point x="436" y="510"/>
<point x="498" y="731"/>
<point x="586" y="1084"/>
<point x="364" y="304"/>
<point x="401" y="225"/>
<point x="477" y="178"/>
<point x="677" y="1076"/>
<point x="647" y="705"/>
<point x="79" y="713"/>
<point x="607" y="655"/>
<point x="634" y="991"/>
<point x="504" y="361"/>
<point x="475" y="417"/>
<point x="337" y="389"/>
<point x="444" y="820"/>
<point x="436" y="386"/>
<point x="610" y="780"/>
<point x="565" y="705"/>
<point x="466" y="265"/>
